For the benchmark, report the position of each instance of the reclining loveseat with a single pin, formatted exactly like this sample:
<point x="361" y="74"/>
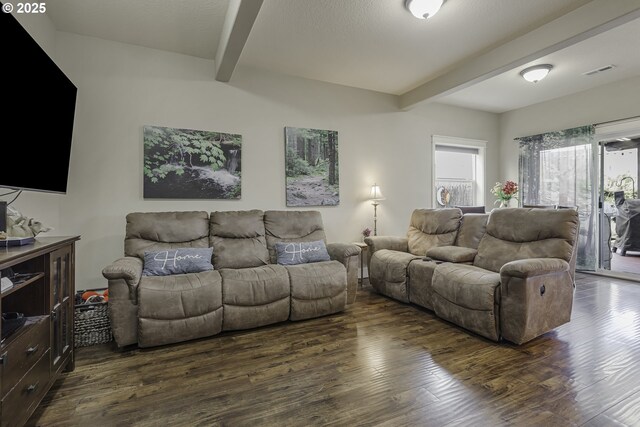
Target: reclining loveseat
<point x="505" y="275"/>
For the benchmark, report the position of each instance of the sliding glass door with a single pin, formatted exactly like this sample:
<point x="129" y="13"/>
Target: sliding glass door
<point x="557" y="170"/>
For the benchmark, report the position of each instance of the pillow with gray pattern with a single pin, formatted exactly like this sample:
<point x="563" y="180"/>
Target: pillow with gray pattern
<point x="177" y="261"/>
<point x="301" y="252"/>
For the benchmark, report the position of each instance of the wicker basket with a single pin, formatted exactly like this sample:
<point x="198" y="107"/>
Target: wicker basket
<point x="91" y="323"/>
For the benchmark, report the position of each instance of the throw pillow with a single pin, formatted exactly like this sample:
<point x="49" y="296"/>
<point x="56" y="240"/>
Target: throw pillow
<point x="301" y="252"/>
<point x="177" y="261"/>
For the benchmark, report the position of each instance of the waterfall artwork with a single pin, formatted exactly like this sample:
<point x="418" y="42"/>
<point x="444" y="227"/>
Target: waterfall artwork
<point x="191" y="164"/>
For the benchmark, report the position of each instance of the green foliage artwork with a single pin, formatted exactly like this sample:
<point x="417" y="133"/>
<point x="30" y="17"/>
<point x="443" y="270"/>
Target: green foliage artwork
<point x="191" y="164"/>
<point x="312" y="167"/>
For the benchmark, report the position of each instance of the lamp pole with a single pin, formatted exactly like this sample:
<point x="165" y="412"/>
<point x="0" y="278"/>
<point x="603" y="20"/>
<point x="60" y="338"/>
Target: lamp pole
<point x="375" y="217"/>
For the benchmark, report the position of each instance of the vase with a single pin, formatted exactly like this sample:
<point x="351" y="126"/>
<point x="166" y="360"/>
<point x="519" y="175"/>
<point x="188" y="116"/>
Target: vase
<point x="504" y="203"/>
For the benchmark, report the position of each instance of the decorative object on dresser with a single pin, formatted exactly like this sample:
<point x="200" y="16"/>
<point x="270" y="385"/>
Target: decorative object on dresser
<point x="311" y="164"/>
<point x="33" y="356"/>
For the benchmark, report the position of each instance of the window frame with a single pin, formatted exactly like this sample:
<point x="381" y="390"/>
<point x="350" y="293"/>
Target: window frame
<point x="452" y="141"/>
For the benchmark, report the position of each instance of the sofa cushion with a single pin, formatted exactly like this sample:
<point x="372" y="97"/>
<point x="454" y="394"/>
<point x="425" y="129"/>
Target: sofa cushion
<point x="177" y="261"/>
<point x="301" y="253"/>
<point x="466" y="285"/>
<point x="179" y="307"/>
<point x="432" y="227"/>
<point x="472" y="228"/>
<point x="388" y="273"/>
<point x="317" y="289"/>
<point x="255" y="296"/>
<point x="469" y="297"/>
<point x="238" y="239"/>
<point x="421" y="282"/>
<point x="457" y="254"/>
<point x="292" y="226"/>
<point x="158" y="231"/>
<point x="516" y="233"/>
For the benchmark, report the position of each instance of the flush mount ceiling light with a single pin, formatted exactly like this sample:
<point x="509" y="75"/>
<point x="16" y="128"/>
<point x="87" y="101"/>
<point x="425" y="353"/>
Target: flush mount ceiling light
<point x="536" y="73"/>
<point x="423" y="9"/>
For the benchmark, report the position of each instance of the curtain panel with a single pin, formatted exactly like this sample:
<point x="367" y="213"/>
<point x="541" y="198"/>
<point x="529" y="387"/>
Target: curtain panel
<point x="557" y="169"/>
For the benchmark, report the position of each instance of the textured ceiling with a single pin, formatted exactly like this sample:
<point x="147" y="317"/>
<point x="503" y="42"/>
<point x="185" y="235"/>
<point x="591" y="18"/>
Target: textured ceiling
<point x="191" y="27"/>
<point x="369" y="44"/>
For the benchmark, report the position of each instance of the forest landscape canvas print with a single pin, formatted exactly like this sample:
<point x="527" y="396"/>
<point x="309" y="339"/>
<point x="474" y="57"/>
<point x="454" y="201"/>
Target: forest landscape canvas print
<point x="312" y="167"/>
<point x="191" y="164"/>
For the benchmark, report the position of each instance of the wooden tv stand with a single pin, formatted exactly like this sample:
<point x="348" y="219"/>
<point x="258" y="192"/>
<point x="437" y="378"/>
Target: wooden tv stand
<point x="32" y="357"/>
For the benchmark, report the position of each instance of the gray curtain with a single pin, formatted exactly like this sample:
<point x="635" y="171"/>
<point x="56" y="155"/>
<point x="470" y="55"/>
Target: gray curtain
<point x="556" y="168"/>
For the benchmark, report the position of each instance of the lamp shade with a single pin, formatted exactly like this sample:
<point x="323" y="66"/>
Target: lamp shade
<point x="536" y="73"/>
<point x="423" y="9"/>
<point x="376" y="193"/>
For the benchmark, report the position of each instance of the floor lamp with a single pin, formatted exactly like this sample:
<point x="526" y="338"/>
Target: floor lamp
<point x="375" y="195"/>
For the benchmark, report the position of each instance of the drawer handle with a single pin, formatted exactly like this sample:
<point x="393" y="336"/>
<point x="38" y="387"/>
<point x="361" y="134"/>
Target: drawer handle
<point x="32" y="388"/>
<point x="32" y="350"/>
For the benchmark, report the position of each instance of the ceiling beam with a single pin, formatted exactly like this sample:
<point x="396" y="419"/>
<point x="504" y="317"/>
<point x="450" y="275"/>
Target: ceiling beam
<point x="241" y="15"/>
<point x="595" y="17"/>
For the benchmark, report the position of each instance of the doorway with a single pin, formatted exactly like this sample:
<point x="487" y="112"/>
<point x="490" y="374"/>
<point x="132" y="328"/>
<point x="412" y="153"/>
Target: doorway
<point x="619" y="207"/>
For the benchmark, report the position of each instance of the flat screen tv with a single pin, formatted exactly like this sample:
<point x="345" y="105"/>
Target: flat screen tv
<point x="37" y="107"/>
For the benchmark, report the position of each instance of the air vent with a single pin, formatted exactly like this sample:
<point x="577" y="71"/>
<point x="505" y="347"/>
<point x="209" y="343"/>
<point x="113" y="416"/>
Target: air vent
<point x="599" y="70"/>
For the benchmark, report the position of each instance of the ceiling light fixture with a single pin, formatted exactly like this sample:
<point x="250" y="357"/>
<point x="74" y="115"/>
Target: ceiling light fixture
<point x="423" y="9"/>
<point x="536" y="73"/>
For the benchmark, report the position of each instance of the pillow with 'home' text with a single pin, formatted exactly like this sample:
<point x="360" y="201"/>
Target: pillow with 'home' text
<point x="177" y="261"/>
<point x="301" y="252"/>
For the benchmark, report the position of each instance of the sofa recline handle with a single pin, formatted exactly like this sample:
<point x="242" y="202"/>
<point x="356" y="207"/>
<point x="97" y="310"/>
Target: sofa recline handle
<point x="542" y="290"/>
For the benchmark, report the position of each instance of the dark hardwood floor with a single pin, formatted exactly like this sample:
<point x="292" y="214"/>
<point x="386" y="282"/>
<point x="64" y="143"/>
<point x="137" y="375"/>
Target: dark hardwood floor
<point x="379" y="363"/>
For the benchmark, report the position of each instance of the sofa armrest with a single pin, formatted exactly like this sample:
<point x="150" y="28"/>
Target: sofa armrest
<point x="536" y="296"/>
<point x="341" y="251"/>
<point x="349" y="255"/>
<point x="524" y="268"/>
<point x="393" y="243"/>
<point x="127" y="268"/>
<point x="457" y="254"/>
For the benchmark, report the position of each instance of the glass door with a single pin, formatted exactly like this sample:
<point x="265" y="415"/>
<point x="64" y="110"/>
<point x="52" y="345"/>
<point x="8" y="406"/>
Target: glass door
<point x="620" y="206"/>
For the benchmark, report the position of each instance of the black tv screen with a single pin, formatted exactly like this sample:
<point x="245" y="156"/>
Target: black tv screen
<point x="37" y="107"/>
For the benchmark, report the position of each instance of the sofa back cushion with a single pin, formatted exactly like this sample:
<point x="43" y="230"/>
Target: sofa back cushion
<point x="432" y="227"/>
<point x="158" y="231"/>
<point x="472" y="228"/>
<point x="292" y="226"/>
<point x="238" y="239"/>
<point x="517" y="233"/>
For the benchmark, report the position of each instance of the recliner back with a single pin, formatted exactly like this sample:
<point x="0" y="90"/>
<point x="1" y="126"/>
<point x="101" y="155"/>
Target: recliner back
<point x="238" y="239"/>
<point x="472" y="228"/>
<point x="432" y="227"/>
<point x="158" y="231"/>
<point x="292" y="226"/>
<point x="517" y="233"/>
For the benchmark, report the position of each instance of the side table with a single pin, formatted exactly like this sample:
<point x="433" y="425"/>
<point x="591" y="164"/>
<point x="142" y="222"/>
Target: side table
<point x="363" y="251"/>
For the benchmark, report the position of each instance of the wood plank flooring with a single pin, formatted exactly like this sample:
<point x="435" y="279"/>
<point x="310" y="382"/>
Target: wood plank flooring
<point x="379" y="363"/>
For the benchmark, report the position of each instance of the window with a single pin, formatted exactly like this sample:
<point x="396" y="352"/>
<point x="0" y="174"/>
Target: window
<point x="458" y="166"/>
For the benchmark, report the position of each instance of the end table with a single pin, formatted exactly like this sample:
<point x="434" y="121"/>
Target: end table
<point x="363" y="250"/>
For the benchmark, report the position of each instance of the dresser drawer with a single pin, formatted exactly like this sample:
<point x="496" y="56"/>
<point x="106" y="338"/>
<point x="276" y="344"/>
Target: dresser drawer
<point x="23" y="353"/>
<point x="21" y="401"/>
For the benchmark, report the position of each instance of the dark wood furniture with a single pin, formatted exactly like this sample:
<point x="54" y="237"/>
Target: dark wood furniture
<point x="32" y="357"/>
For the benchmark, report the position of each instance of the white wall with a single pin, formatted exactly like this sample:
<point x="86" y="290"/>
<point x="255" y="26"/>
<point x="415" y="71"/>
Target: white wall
<point x="614" y="101"/>
<point x="123" y="87"/>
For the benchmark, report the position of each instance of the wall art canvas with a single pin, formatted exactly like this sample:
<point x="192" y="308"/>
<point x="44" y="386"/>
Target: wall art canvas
<point x="191" y="164"/>
<point x="312" y="167"/>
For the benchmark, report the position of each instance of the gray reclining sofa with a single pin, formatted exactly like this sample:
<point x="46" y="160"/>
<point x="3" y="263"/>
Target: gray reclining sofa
<point x="505" y="275"/>
<point x="246" y="289"/>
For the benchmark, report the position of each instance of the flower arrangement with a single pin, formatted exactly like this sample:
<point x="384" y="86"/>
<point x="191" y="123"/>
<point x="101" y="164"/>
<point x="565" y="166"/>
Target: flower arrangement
<point x="505" y="192"/>
<point x="366" y="232"/>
